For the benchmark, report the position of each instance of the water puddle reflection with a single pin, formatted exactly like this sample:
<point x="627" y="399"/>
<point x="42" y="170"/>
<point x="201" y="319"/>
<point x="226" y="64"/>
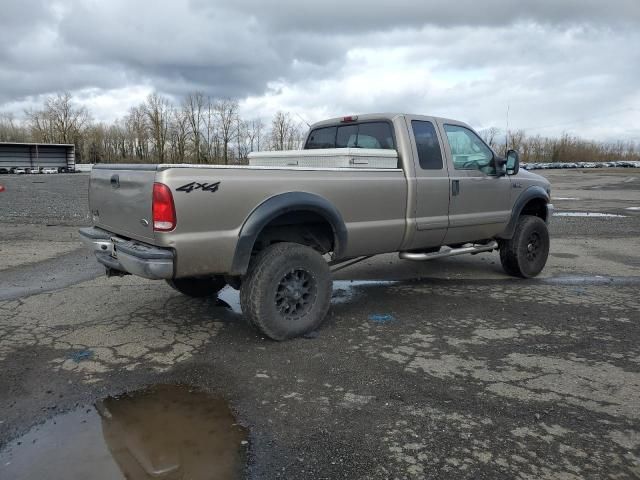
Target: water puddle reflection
<point x="163" y="432"/>
<point x="587" y="214"/>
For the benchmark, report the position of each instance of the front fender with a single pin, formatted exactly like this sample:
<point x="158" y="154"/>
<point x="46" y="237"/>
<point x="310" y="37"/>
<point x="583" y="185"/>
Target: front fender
<point x="531" y="193"/>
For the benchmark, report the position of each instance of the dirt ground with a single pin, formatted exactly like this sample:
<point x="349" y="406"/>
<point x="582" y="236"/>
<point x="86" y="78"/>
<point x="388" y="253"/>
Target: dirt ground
<point x="469" y="374"/>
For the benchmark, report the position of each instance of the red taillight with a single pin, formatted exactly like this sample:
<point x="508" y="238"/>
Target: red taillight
<point x="350" y="118"/>
<point x="164" y="212"/>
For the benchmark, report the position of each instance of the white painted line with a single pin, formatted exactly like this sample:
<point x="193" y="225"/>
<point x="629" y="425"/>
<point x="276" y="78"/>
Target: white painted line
<point x="587" y="214"/>
<point x="565" y="198"/>
<point x="633" y="208"/>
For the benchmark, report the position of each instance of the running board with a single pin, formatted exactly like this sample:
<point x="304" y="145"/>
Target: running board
<point x="452" y="252"/>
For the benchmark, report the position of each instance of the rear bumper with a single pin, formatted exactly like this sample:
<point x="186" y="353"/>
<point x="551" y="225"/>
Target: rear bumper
<point x="129" y="256"/>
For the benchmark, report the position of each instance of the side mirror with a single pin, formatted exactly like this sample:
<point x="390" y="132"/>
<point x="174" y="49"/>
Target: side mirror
<point x="513" y="162"/>
<point x="498" y="163"/>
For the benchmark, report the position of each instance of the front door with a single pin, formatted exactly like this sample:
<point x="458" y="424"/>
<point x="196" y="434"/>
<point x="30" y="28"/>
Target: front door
<point x="479" y="207"/>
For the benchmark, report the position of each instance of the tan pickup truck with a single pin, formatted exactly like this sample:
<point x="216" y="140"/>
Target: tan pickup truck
<point x="425" y="187"/>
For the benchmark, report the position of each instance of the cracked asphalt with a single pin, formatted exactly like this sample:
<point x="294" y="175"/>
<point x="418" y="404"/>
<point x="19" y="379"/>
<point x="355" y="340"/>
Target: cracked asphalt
<point x="463" y="373"/>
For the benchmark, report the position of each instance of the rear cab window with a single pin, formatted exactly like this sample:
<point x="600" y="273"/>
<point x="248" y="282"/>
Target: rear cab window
<point x="322" y="138"/>
<point x="429" y="153"/>
<point x="376" y="135"/>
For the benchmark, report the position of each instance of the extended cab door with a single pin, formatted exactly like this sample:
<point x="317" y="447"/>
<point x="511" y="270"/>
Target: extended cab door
<point x="479" y="207"/>
<point x="431" y="205"/>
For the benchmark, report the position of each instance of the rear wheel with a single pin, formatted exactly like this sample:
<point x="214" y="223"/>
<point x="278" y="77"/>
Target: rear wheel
<point x="198" y="286"/>
<point x="286" y="291"/>
<point x="525" y="255"/>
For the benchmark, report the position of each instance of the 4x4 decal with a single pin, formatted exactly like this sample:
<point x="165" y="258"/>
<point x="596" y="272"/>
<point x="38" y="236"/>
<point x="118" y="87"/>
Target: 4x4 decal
<point x="205" y="187"/>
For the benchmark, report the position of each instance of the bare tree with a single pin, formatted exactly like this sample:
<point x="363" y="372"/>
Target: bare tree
<point x="226" y="113"/>
<point x="137" y="132"/>
<point x="281" y="130"/>
<point x="490" y="135"/>
<point x="10" y="130"/>
<point x="243" y="140"/>
<point x="515" y="139"/>
<point x="157" y="111"/>
<point x="179" y="135"/>
<point x="194" y="109"/>
<point x="59" y="121"/>
<point x="211" y="136"/>
<point x="255" y="128"/>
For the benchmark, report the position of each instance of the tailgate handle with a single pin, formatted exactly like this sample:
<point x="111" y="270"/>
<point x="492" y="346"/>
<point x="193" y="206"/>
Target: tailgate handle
<point x="115" y="181"/>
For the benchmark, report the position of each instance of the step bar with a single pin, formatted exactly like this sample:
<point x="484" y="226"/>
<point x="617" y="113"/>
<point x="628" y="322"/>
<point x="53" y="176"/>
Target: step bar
<point x="450" y="252"/>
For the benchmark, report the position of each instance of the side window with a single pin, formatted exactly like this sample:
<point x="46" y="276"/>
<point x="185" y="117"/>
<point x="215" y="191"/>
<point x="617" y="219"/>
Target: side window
<point x="322" y="138"/>
<point x="468" y="150"/>
<point x="429" y="154"/>
<point x="347" y="136"/>
<point x="375" y="135"/>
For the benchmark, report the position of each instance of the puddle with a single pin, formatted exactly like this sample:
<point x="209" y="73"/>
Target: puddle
<point x="345" y="290"/>
<point x="564" y="255"/>
<point x="591" y="280"/>
<point x="587" y="214"/>
<point x="164" y="432"/>
<point x="229" y="298"/>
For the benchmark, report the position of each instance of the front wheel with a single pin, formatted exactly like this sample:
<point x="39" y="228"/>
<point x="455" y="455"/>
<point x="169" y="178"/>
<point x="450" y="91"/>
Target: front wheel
<point x="198" y="286"/>
<point x="286" y="291"/>
<point x="525" y="255"/>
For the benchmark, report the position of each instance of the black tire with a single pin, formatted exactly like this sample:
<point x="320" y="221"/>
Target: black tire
<point x="286" y="291"/>
<point x="525" y="255"/>
<point x="198" y="287"/>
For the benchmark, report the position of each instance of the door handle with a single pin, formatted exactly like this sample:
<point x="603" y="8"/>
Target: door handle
<point x="455" y="187"/>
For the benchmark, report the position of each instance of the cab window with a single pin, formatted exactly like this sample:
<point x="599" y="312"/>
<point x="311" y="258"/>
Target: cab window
<point x="347" y="136"/>
<point x="429" y="154"/>
<point x="377" y="135"/>
<point x="469" y="152"/>
<point x="322" y="138"/>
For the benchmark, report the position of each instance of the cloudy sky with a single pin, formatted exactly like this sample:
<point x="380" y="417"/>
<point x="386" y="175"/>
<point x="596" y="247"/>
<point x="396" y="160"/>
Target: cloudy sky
<point x="557" y="65"/>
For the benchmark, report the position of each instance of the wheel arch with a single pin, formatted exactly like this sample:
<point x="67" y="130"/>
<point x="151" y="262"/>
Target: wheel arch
<point x="533" y="201"/>
<point x="278" y="206"/>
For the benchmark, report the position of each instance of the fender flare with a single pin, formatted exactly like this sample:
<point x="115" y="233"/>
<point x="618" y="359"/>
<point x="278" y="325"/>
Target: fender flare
<point x="531" y="193"/>
<point x="278" y="205"/>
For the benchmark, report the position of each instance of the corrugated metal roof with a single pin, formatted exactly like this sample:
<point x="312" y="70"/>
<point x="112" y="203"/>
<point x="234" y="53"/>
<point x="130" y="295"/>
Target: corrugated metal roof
<point x="39" y="144"/>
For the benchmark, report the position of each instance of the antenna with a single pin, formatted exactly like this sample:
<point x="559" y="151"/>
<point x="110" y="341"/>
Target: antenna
<point x="506" y="133"/>
<point x="300" y="117"/>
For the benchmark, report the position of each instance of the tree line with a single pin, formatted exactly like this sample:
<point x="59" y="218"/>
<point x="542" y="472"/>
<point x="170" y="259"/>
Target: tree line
<point x="564" y="149"/>
<point x="202" y="129"/>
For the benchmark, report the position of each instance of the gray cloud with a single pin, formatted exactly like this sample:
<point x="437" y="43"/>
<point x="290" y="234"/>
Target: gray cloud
<point x="551" y="61"/>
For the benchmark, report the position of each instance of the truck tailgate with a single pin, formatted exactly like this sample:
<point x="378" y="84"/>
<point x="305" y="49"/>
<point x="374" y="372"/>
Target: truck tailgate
<point x="120" y="199"/>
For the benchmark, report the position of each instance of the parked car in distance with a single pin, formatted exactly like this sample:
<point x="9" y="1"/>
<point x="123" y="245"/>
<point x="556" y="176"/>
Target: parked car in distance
<point x="49" y="170"/>
<point x="19" y="171"/>
<point x="425" y="187"/>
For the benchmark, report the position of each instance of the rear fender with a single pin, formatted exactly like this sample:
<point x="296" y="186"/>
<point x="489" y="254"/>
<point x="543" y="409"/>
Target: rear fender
<point x="278" y="205"/>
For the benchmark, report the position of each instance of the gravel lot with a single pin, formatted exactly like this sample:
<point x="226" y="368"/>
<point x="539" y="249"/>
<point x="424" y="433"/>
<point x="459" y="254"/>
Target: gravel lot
<point x="475" y="375"/>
